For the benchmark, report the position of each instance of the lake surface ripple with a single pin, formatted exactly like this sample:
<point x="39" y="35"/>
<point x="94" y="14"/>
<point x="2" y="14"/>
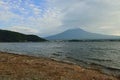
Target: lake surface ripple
<point x="100" y="55"/>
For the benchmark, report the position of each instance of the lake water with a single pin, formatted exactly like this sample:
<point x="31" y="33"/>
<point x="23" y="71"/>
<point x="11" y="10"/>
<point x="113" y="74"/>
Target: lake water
<point x="102" y="55"/>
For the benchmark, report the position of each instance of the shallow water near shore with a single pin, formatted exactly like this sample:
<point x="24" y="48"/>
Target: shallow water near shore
<point x="98" y="55"/>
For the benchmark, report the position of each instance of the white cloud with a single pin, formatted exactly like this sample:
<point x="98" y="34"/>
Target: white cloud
<point x="90" y="15"/>
<point x="100" y="16"/>
<point x="30" y="18"/>
<point x="22" y="29"/>
<point x="49" y="23"/>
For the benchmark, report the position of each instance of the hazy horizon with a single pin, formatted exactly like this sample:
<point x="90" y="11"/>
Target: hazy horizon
<point x="49" y="17"/>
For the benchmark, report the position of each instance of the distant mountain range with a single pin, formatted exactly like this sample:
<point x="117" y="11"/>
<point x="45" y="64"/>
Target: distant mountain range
<point x="79" y="34"/>
<point x="11" y="36"/>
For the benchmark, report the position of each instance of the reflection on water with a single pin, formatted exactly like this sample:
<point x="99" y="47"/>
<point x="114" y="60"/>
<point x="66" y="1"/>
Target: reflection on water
<point x="103" y="54"/>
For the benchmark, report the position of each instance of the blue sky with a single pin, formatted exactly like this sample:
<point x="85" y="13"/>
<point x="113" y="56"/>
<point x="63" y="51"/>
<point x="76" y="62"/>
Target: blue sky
<point x="48" y="17"/>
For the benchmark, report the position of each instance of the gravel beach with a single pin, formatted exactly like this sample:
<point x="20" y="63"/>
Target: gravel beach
<point x="22" y="67"/>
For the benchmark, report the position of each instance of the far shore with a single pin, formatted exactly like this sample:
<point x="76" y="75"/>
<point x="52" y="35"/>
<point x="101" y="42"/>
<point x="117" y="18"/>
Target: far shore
<point x="23" y="67"/>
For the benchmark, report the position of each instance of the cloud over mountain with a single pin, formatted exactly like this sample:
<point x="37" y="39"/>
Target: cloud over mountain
<point x="47" y="17"/>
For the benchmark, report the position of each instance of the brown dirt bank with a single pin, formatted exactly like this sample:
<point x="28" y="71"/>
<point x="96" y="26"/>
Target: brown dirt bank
<point x="20" y="67"/>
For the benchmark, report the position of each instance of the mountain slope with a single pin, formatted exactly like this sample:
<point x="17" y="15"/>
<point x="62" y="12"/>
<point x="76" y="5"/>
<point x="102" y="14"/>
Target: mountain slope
<point x="79" y="34"/>
<point x="10" y="36"/>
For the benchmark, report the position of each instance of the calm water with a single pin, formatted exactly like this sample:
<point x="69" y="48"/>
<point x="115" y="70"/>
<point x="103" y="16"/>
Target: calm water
<point x="102" y="55"/>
